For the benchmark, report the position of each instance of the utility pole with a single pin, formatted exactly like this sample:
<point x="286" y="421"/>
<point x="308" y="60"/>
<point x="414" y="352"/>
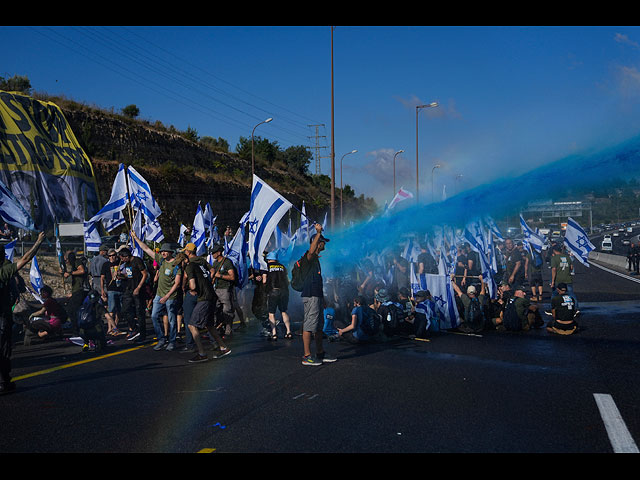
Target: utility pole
<point x="333" y="151"/>
<point x="317" y="146"/>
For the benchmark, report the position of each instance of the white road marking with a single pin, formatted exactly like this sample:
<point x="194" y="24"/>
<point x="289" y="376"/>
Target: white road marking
<point x="619" y="435"/>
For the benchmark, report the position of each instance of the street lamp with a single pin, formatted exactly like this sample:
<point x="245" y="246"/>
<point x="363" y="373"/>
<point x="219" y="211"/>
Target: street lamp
<point x="352" y="151"/>
<point x="394" y="171"/>
<point x="432" y="170"/>
<point x="254" y="129"/>
<point x="418" y="107"/>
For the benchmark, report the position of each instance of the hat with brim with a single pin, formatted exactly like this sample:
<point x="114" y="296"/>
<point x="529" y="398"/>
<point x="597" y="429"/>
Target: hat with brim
<point x="167" y="247"/>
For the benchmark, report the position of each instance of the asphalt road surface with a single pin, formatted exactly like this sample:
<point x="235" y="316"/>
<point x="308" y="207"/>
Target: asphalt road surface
<point x="498" y="392"/>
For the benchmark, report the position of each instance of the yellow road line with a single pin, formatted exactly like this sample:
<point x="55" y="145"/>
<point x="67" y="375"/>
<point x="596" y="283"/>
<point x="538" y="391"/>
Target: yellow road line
<point x="207" y="450"/>
<point x="74" y="364"/>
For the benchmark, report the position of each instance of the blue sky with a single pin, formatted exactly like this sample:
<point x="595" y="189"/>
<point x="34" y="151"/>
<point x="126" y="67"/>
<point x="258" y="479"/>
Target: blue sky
<point x="510" y="98"/>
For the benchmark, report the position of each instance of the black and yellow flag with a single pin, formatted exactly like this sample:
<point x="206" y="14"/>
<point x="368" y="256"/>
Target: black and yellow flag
<point x="42" y="163"/>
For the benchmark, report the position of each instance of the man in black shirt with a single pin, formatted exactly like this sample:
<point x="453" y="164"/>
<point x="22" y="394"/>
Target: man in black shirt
<point x="277" y="288"/>
<point x="132" y="275"/>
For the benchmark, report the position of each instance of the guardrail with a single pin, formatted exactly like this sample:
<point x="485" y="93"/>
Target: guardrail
<point x="609" y="259"/>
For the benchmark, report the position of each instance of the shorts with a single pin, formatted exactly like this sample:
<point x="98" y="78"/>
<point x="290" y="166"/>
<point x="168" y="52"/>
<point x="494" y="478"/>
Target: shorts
<point x="313" y="319"/>
<point x="202" y="315"/>
<point x="114" y="301"/>
<point x="535" y="279"/>
<point x="278" y="299"/>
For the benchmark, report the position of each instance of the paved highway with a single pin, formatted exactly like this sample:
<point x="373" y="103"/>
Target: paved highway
<point x="499" y="392"/>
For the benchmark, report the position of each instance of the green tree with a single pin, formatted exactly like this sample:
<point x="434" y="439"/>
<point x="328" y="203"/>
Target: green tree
<point x="297" y="158"/>
<point x="17" y="83"/>
<point x="131" y="111"/>
<point x="219" y="144"/>
<point x="191" y="134"/>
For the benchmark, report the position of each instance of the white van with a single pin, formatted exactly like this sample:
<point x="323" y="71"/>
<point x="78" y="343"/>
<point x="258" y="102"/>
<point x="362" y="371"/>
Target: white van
<point x="607" y="246"/>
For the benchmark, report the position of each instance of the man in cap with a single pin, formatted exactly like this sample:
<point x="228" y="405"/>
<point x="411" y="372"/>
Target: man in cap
<point x="313" y="301"/>
<point x="111" y="291"/>
<point x="132" y="274"/>
<point x="198" y="274"/>
<point x="165" y="301"/>
<point x="224" y="278"/>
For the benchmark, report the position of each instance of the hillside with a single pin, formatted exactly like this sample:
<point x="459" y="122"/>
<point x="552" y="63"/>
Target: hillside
<point x="182" y="172"/>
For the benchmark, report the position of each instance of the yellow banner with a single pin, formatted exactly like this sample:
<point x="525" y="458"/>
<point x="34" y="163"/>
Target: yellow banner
<point x="42" y="162"/>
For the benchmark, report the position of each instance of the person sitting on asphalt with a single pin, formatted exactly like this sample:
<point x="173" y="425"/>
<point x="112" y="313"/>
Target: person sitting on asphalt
<point x="361" y="329"/>
<point x="563" y="309"/>
<point x="49" y="319"/>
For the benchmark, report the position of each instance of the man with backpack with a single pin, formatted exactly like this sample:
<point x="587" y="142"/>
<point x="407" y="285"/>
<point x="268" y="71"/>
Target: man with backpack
<point x="473" y="302"/>
<point x="224" y="281"/>
<point x="520" y="314"/>
<point x="306" y="277"/>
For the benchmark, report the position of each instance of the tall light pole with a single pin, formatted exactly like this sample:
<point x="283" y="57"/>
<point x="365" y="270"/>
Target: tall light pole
<point x="432" y="170"/>
<point x="394" y="170"/>
<point x="418" y="107"/>
<point x="333" y="151"/>
<point x="252" y="155"/>
<point x="349" y="153"/>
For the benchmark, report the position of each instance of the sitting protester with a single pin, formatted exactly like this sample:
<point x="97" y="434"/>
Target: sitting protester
<point x="49" y="319"/>
<point x="473" y="301"/>
<point x="563" y="309"/>
<point x="425" y="315"/>
<point x="520" y="314"/>
<point x="364" y="324"/>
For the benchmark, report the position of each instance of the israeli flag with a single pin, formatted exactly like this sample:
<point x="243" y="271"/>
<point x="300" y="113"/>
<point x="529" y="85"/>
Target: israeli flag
<point x="153" y="231"/>
<point x="532" y="239"/>
<point x="118" y="199"/>
<point x="266" y="210"/>
<point x="577" y="241"/>
<point x="183" y="229"/>
<point x="479" y="242"/>
<point x="92" y="238"/>
<point x="113" y="221"/>
<point x="493" y="228"/>
<point x="139" y="230"/>
<point x="236" y="251"/>
<point x="198" y="232"/>
<point x="401" y="196"/>
<point x="9" y="249"/>
<point x="442" y="294"/>
<point x="303" y="235"/>
<point x="35" y="277"/>
<point x="12" y="212"/>
<point x="411" y="250"/>
<point x="141" y="198"/>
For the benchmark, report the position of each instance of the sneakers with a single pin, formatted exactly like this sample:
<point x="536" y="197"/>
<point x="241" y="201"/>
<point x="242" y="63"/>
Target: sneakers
<point x="198" y="358"/>
<point x="324" y="357"/>
<point x="133" y="335"/>
<point x="309" y="360"/>
<point x="222" y="353"/>
<point x="170" y="347"/>
<point x="161" y="344"/>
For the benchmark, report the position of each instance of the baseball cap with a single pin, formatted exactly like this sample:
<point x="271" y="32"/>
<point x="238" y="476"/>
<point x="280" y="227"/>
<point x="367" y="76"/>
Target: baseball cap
<point x="471" y="289"/>
<point x="190" y="247"/>
<point x="322" y="238"/>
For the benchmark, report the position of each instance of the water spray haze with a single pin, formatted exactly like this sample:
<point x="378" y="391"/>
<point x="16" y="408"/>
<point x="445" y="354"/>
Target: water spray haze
<point x="502" y="197"/>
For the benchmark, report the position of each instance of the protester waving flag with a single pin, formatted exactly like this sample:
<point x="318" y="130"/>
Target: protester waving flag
<point x="12" y="212"/>
<point x="140" y="194"/>
<point x="266" y="210"/>
<point x="577" y="241"/>
<point x="236" y="251"/>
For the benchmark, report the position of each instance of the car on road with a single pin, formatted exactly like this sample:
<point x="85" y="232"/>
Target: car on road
<point x="607" y="245"/>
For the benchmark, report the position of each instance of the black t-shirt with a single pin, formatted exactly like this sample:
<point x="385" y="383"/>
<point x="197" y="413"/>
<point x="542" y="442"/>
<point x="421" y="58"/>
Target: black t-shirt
<point x="277" y="276"/>
<point x="511" y="258"/>
<point x="198" y="269"/>
<point x="461" y="264"/>
<point x="428" y="261"/>
<point x="313" y="283"/>
<point x="110" y="271"/>
<point x="130" y="274"/>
